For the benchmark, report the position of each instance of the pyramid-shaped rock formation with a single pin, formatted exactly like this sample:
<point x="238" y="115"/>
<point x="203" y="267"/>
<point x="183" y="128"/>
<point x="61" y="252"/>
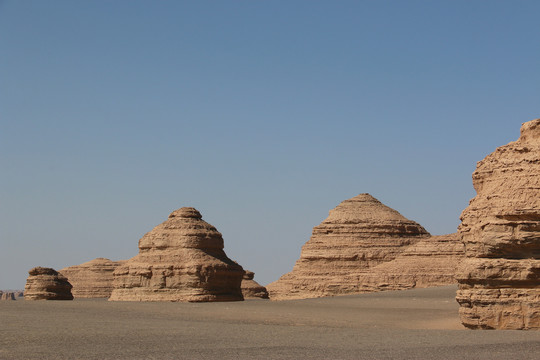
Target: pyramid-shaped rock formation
<point x="499" y="282"/>
<point x="432" y="261"/>
<point x="358" y="235"/>
<point x="92" y="279"/>
<point x="46" y="284"/>
<point x="181" y="259"/>
<point x="252" y="289"/>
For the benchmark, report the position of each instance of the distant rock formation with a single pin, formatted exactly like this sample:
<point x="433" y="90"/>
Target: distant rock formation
<point x="46" y="284"/>
<point x="358" y="235"/>
<point x="252" y="289"/>
<point x="7" y="295"/>
<point x="181" y="259"/>
<point x="499" y="282"/>
<point x="432" y="261"/>
<point x="92" y="279"/>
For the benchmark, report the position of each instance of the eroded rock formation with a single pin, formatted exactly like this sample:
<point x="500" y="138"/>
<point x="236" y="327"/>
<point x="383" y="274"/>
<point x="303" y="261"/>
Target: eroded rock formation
<point x="7" y="295"/>
<point x="92" y="279"/>
<point x="46" y="284"/>
<point x="499" y="282"/>
<point x="432" y="261"/>
<point x="252" y="289"/>
<point x="358" y="235"/>
<point x="181" y="259"/>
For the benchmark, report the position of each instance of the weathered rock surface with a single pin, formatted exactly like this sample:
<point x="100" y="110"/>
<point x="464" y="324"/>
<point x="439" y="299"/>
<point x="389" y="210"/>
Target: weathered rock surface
<point x="432" y="261"/>
<point x="92" y="279"/>
<point x="499" y="282"/>
<point x="252" y="289"/>
<point x="181" y="259"/>
<point x="7" y="295"/>
<point x="46" y="284"/>
<point x="358" y="235"/>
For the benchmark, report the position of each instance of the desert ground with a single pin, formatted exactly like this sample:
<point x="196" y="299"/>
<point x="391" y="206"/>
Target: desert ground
<point x="411" y="324"/>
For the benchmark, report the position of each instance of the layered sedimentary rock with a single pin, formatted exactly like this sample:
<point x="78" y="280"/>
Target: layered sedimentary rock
<point x="46" y="284"/>
<point x="432" y="261"/>
<point x="252" y="289"/>
<point x="499" y="282"/>
<point x="181" y="259"/>
<point x="7" y="295"/>
<point x="358" y="235"/>
<point x="92" y="279"/>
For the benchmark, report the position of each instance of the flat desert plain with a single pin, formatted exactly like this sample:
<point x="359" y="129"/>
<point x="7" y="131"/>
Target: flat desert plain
<point x="412" y="324"/>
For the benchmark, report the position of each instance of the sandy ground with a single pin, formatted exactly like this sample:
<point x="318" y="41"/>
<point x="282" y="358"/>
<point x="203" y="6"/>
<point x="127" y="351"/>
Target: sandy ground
<point x="413" y="324"/>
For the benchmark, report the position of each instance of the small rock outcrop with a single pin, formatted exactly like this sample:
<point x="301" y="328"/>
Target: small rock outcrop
<point x="7" y="295"/>
<point x="46" y="284"/>
<point x="499" y="281"/>
<point x="358" y="235"/>
<point x="181" y="259"/>
<point x="92" y="279"/>
<point x="252" y="289"/>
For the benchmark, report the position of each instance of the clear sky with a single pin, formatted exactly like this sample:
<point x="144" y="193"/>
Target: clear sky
<point x="264" y="115"/>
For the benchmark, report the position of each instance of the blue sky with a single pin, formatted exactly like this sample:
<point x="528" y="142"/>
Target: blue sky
<point x="264" y="115"/>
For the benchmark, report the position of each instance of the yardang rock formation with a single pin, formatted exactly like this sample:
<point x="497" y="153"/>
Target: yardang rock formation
<point x="46" y="284"/>
<point x="430" y="262"/>
<point x="7" y="295"/>
<point x="252" y="289"/>
<point x="358" y="235"/>
<point x="499" y="282"/>
<point x="92" y="279"/>
<point x="181" y="259"/>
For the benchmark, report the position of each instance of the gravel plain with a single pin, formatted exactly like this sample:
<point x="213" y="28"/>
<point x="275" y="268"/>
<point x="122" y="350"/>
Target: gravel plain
<point x="412" y="324"/>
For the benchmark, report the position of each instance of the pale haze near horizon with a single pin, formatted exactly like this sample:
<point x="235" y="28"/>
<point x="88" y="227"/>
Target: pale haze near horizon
<point x="262" y="115"/>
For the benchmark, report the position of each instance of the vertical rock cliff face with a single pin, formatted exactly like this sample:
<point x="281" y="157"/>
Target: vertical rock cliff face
<point x="359" y="234"/>
<point x="252" y="289"/>
<point x="93" y="279"/>
<point x="499" y="282"/>
<point x="46" y="284"/>
<point x="181" y="259"/>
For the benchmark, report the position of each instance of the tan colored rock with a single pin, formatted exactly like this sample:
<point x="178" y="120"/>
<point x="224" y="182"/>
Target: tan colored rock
<point x="46" y="284"/>
<point x="92" y="279"/>
<point x="181" y="259"/>
<point x="432" y="261"/>
<point x="7" y="295"/>
<point x="252" y="289"/>
<point x="358" y="235"/>
<point x="499" y="282"/>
